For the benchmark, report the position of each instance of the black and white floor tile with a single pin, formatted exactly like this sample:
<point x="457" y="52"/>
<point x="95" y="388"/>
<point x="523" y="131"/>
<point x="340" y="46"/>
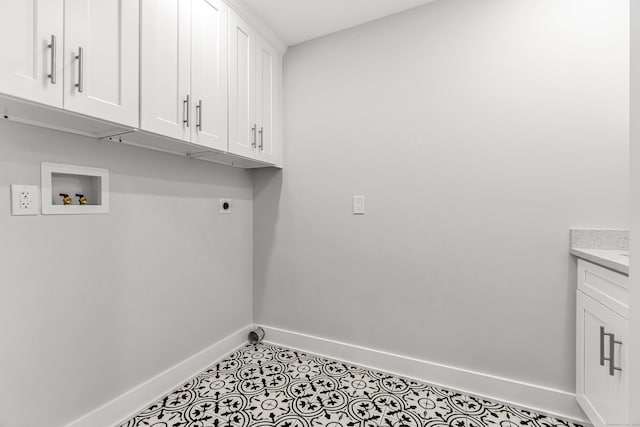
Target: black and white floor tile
<point x="264" y="385"/>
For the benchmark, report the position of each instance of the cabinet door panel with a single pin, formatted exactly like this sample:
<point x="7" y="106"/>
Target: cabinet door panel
<point x="26" y="27"/>
<point x="602" y="396"/>
<point x="165" y="67"/>
<point x="242" y="123"/>
<point x="209" y="73"/>
<point x="101" y="80"/>
<point x="267" y="70"/>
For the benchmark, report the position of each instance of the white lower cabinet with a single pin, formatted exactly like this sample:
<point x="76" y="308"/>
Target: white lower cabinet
<point x="601" y="352"/>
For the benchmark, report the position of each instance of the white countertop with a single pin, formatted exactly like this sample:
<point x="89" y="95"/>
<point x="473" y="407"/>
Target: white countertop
<point x="614" y="259"/>
<point x="608" y="248"/>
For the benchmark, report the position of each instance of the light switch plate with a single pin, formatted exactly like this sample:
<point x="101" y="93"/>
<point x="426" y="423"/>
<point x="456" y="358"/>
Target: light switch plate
<point x="358" y="205"/>
<point x="24" y="200"/>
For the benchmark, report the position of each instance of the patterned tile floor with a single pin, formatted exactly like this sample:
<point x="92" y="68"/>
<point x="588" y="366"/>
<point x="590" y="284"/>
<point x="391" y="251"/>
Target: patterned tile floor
<point x="264" y="385"/>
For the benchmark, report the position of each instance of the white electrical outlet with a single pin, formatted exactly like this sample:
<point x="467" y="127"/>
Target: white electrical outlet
<point x="358" y="205"/>
<point x="24" y="200"/>
<point x="225" y="206"/>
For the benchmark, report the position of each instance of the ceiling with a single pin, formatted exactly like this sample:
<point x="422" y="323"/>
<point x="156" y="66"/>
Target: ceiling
<point x="296" y="21"/>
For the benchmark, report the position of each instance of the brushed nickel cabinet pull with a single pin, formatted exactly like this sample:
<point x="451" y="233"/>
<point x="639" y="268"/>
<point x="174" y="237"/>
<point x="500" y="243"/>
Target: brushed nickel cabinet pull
<point x="261" y="138"/>
<point x="54" y="53"/>
<point x="80" y="58"/>
<point x="185" y="111"/>
<point x="199" y="115"/>
<point x="612" y="351"/>
<point x="602" y="358"/>
<point x="253" y="131"/>
<point x="612" y="354"/>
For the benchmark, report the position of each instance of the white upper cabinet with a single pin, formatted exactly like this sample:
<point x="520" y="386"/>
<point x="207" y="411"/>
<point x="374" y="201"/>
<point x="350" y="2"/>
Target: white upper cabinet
<point x="101" y="54"/>
<point x="31" y="44"/>
<point x="184" y="70"/>
<point x="188" y="77"/>
<point x="266" y="100"/>
<point x="79" y="55"/>
<point x="165" y="68"/>
<point x="255" y="70"/>
<point x="209" y="31"/>
<point x="243" y="132"/>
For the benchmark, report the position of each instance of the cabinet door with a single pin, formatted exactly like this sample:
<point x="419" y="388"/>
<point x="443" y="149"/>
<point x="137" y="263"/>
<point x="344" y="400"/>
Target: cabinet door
<point x="101" y="49"/>
<point x="267" y="72"/>
<point x="30" y="64"/>
<point x="165" y="80"/>
<point x="243" y="130"/>
<point x="602" y="394"/>
<point x="209" y="49"/>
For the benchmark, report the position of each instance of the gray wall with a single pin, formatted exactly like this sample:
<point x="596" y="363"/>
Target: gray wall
<point x="479" y="132"/>
<point x="94" y="305"/>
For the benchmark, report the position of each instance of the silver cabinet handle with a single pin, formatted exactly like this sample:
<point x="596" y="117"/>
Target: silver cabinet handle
<point x="602" y="358"/>
<point x="253" y="131"/>
<point x="199" y="115"/>
<point x="80" y="58"/>
<point x="54" y="53"/>
<point x="612" y="351"/>
<point x="185" y="111"/>
<point x="261" y="132"/>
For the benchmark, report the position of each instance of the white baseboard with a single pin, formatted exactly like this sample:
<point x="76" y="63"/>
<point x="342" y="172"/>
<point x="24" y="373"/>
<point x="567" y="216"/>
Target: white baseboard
<point x="135" y="400"/>
<point x="541" y="399"/>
